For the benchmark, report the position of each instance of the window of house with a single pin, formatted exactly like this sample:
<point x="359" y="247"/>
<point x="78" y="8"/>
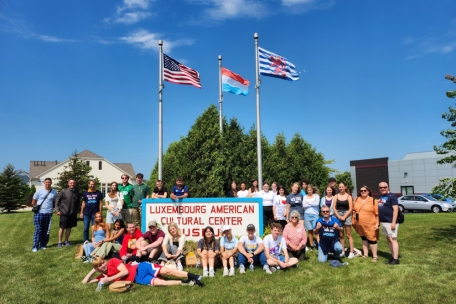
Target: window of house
<point x="405" y="190"/>
<point x="88" y="163"/>
<point x="99" y="165"/>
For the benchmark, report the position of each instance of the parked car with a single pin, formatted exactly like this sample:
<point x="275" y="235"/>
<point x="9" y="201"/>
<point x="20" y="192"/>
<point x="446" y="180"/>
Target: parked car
<point x="440" y="197"/>
<point x="423" y="203"/>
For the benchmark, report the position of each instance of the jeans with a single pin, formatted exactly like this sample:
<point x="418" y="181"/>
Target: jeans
<point x="258" y="259"/>
<point x="87" y="219"/>
<point x="324" y="257"/>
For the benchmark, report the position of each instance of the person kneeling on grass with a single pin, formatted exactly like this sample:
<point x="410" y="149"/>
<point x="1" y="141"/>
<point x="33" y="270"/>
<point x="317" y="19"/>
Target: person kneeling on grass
<point x="251" y="251"/>
<point x="329" y="229"/>
<point x="228" y="248"/>
<point x="143" y="273"/>
<point x="275" y="249"/>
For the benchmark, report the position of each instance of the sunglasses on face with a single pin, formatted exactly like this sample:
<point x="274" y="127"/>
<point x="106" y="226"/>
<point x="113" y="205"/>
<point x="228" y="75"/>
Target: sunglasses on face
<point x="294" y="217"/>
<point x="325" y="211"/>
<point x="363" y="190"/>
<point x="383" y="187"/>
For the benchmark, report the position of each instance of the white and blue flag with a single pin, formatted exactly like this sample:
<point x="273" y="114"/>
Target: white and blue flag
<point x="276" y="66"/>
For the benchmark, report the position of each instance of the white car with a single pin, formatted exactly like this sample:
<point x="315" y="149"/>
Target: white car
<point x="423" y="203"/>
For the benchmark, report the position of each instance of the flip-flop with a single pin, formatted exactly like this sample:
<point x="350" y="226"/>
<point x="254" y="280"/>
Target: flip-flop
<point x="375" y="259"/>
<point x="364" y="256"/>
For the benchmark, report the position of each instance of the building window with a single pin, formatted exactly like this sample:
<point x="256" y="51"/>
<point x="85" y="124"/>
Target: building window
<point x="87" y="163"/>
<point x="99" y="165"/>
<point x="406" y="190"/>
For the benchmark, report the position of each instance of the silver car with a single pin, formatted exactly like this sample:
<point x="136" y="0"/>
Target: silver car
<point x="423" y="203"/>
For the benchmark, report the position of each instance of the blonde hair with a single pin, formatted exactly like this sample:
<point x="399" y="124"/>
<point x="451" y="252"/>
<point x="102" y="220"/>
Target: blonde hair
<point x="297" y="184"/>
<point x="173" y="224"/>
<point x="97" y="262"/>
<point x="315" y="189"/>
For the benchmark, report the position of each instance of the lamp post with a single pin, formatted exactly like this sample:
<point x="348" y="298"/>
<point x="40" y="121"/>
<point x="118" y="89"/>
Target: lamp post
<point x="450" y="77"/>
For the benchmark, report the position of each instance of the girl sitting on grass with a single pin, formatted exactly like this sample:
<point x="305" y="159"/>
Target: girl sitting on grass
<point x="112" y="243"/>
<point x="100" y="232"/>
<point x="208" y="249"/>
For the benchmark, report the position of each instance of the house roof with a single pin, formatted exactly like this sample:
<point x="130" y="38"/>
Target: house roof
<point x="38" y="167"/>
<point x="127" y="168"/>
<point x="88" y="154"/>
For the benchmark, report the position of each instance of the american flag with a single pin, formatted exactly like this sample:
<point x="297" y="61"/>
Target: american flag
<point x="176" y="72"/>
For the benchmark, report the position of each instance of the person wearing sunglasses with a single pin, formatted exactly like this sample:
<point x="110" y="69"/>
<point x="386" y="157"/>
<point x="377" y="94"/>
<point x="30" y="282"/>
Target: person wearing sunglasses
<point x="388" y="212"/>
<point x="328" y="229"/>
<point x="295" y="237"/>
<point x="125" y="189"/>
<point x="365" y="221"/>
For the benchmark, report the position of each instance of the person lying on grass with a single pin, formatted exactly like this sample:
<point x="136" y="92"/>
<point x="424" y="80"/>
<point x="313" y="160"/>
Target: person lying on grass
<point x="143" y="273"/>
<point x="275" y="249"/>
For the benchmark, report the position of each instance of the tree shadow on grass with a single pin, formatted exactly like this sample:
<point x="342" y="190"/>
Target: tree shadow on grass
<point x="447" y="234"/>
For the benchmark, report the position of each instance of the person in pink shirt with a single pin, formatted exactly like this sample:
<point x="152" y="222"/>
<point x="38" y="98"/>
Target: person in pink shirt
<point x="295" y="237"/>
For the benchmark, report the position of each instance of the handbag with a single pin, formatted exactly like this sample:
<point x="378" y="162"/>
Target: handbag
<point x="36" y="208"/>
<point x="190" y="259"/>
<point x="79" y="251"/>
<point x="120" y="286"/>
<point x="171" y="264"/>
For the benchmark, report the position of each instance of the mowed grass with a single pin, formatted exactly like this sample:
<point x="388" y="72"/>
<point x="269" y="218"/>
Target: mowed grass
<point x="427" y="273"/>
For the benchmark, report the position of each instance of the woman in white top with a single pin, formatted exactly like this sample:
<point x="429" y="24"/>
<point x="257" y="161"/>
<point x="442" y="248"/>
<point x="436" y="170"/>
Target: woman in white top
<point x="279" y="207"/>
<point x="268" y="199"/>
<point x="114" y="203"/>
<point x="274" y="188"/>
<point x="311" y="205"/>
<point x="253" y="190"/>
<point x="173" y="244"/>
<point x="243" y="192"/>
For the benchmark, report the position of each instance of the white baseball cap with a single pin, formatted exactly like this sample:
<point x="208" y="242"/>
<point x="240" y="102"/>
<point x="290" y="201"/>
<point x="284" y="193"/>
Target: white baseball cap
<point x="225" y="228"/>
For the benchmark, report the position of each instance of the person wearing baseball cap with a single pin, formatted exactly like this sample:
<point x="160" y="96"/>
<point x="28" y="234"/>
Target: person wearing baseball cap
<point x="251" y="251"/>
<point x="228" y="248"/>
<point x="151" y="242"/>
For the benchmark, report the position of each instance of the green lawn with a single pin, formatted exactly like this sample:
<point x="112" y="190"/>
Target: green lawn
<point x="427" y="273"/>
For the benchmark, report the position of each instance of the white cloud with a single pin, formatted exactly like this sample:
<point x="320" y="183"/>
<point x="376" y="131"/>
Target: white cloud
<point x="52" y="38"/>
<point x="442" y="44"/>
<point x="131" y="11"/>
<point x="231" y="9"/>
<point x="145" y="40"/>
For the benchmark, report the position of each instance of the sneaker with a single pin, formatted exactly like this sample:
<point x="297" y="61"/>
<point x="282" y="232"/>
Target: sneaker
<point x="83" y="257"/>
<point x="34" y="249"/>
<point x="43" y="248"/>
<point x="342" y="254"/>
<point x="296" y="266"/>
<point x="134" y="263"/>
<point x="67" y="244"/>
<point x="211" y="274"/>
<point x="312" y="248"/>
<point x="198" y="282"/>
<point x="267" y="269"/>
<point x="205" y="273"/>
<point x="272" y="269"/>
<point x="231" y="274"/>
<point x="351" y="255"/>
<point x="225" y="272"/>
<point x="389" y="260"/>
<point x="180" y="267"/>
<point x="394" y="262"/>
<point x="59" y="245"/>
<point x="188" y="283"/>
<point x="242" y="269"/>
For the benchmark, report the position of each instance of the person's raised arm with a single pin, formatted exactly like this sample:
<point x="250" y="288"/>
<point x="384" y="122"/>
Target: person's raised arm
<point x="123" y="271"/>
<point x="115" y="236"/>
<point x="88" y="278"/>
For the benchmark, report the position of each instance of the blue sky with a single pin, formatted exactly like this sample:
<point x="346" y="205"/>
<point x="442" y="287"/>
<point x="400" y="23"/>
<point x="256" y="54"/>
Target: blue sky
<point x="84" y="74"/>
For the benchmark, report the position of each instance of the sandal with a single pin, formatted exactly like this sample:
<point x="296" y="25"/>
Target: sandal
<point x="364" y="256"/>
<point x="375" y="259"/>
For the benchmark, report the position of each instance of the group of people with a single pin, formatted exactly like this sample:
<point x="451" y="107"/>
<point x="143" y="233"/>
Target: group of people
<point x="365" y="214"/>
<point x="123" y="201"/>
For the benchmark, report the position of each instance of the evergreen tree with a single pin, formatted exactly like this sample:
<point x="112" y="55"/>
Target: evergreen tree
<point x="78" y="170"/>
<point x="345" y="177"/>
<point x="11" y="189"/>
<point x="449" y="134"/>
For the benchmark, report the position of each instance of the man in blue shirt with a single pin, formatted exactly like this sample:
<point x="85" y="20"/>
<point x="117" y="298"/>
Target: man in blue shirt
<point x="329" y="229"/>
<point x="92" y="201"/>
<point x="179" y="189"/>
<point x="387" y="213"/>
<point x="46" y="199"/>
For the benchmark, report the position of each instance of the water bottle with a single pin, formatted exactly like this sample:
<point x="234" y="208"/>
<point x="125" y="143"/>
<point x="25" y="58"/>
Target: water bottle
<point x="99" y="287"/>
<point x="251" y="267"/>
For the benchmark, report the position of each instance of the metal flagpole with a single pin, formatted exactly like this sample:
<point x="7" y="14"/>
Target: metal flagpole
<point x="220" y="93"/>
<point x="257" y="88"/>
<point x="160" y="114"/>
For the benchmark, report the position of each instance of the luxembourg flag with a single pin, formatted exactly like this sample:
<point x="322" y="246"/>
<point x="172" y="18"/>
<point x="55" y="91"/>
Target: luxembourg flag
<point x="234" y="83"/>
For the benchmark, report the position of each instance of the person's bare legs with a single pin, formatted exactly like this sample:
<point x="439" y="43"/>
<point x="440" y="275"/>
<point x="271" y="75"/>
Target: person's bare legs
<point x="365" y="248"/>
<point x="67" y="234"/>
<point x="348" y="232"/>
<point x="60" y="235"/>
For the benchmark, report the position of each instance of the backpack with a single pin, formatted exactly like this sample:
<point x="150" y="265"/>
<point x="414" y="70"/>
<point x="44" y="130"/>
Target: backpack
<point x="400" y="215"/>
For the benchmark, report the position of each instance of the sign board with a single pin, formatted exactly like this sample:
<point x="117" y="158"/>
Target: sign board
<point x="192" y="215"/>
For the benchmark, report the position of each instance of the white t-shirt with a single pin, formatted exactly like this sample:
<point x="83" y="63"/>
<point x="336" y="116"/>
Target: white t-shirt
<point x="250" y="245"/>
<point x="242" y="193"/>
<point x="311" y="205"/>
<point x="115" y="202"/>
<point x="268" y="198"/>
<point x="280" y="204"/>
<point x="275" y="247"/>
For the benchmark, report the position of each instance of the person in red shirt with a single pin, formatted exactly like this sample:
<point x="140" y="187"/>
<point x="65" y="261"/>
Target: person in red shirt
<point x="129" y="246"/>
<point x="143" y="273"/>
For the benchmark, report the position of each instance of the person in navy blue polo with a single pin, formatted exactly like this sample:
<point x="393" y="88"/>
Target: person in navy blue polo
<point x="92" y="201"/>
<point x="179" y="189"/>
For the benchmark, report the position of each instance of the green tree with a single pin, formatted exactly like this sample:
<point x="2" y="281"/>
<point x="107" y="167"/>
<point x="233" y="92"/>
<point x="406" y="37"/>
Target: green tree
<point x="209" y="162"/>
<point x="11" y="189"/>
<point x="449" y="134"/>
<point x="345" y="177"/>
<point x="78" y="170"/>
<point x="446" y="187"/>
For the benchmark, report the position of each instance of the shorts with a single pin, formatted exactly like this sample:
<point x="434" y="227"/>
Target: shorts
<point x="386" y="230"/>
<point x="310" y="220"/>
<point x="348" y="221"/>
<point x="110" y="218"/>
<point x="68" y="221"/>
<point x="146" y="273"/>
